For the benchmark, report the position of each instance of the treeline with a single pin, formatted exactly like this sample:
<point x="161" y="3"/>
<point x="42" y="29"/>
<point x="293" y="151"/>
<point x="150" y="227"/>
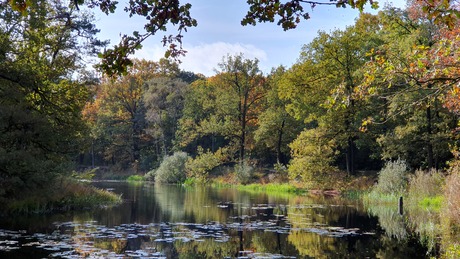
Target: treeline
<point x="382" y="89"/>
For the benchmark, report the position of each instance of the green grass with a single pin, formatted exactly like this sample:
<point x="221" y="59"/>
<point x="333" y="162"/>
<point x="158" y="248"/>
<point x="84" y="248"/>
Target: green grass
<point x="272" y="188"/>
<point x="432" y="203"/>
<point x="452" y="251"/>
<point x="66" y="194"/>
<point x="374" y="197"/>
<point x="135" y="178"/>
<point x="222" y="185"/>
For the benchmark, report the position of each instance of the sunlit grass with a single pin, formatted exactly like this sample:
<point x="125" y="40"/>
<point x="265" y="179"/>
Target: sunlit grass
<point x="135" y="178"/>
<point x="272" y="188"/>
<point x="453" y="251"/>
<point x="432" y="203"/>
<point x="64" y="194"/>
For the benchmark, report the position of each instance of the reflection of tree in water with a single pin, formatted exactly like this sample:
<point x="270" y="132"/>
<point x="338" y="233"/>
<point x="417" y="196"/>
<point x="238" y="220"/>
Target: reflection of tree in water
<point x="402" y="249"/>
<point x="313" y="245"/>
<point x="427" y="225"/>
<point x="116" y="245"/>
<point x="312" y="231"/>
<point x="399" y="227"/>
<point x="208" y="248"/>
<point x="390" y="220"/>
<point x="200" y="205"/>
<point x="309" y="214"/>
<point x="82" y="235"/>
<point x="171" y="200"/>
<point x="273" y="243"/>
<point x="307" y="226"/>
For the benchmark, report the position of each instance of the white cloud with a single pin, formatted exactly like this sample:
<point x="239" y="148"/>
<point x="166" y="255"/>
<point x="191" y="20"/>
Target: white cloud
<point x="153" y="52"/>
<point x="204" y="58"/>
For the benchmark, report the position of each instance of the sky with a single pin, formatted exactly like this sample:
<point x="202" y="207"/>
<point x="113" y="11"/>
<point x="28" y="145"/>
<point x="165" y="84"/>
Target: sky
<point x="219" y="32"/>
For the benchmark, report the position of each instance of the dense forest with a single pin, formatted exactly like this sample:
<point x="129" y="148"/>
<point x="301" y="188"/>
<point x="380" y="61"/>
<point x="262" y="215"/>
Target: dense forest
<point x="383" y="89"/>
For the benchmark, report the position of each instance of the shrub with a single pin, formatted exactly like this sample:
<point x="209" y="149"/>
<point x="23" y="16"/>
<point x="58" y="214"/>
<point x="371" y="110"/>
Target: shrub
<point x="392" y="178"/>
<point x="244" y="172"/>
<point x="452" y="193"/>
<point x="424" y="185"/>
<point x="280" y="169"/>
<point x="312" y="155"/>
<point x="200" y="166"/>
<point x="280" y="174"/>
<point x="171" y="170"/>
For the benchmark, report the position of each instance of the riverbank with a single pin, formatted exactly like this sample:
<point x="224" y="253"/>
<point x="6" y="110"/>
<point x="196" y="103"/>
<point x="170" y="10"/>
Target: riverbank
<point x="63" y="194"/>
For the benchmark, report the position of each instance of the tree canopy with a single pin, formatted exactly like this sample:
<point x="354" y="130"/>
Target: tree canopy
<point x="42" y="92"/>
<point x="161" y="13"/>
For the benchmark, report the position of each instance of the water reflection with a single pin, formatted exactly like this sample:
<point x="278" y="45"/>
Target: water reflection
<point x="176" y="222"/>
<point x="417" y="223"/>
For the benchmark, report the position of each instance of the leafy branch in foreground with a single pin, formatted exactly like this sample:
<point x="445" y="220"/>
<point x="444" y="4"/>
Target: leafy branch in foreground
<point x="160" y="13"/>
<point x="291" y="13"/>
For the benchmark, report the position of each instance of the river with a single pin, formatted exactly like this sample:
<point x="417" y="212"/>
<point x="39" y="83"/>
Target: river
<point x="169" y="221"/>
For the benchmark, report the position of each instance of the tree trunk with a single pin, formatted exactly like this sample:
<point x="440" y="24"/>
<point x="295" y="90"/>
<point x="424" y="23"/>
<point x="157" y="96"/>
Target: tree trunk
<point x="278" y="145"/>
<point x="430" y="156"/>
<point x="242" y="140"/>
<point x="135" y="144"/>
<point x="243" y="116"/>
<point x="350" y="156"/>
<point x="92" y="154"/>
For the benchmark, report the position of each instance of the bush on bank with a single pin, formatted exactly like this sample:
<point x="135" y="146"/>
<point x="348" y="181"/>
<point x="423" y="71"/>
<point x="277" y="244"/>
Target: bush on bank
<point x="171" y="170"/>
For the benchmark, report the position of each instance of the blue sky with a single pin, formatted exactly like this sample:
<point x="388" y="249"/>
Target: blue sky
<point x="219" y="32"/>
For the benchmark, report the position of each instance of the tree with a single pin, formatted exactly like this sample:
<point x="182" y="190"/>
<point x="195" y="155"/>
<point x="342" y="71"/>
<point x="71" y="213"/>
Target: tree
<point x="276" y="127"/>
<point x="313" y="154"/>
<point x="245" y="80"/>
<point x="41" y="97"/>
<point x="119" y="111"/>
<point x="413" y="72"/>
<point x="321" y="87"/>
<point x="224" y="107"/>
<point x="201" y="107"/>
<point x="164" y="102"/>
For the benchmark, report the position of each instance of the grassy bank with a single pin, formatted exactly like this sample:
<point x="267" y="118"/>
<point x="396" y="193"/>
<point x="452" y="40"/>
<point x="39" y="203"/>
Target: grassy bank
<point x="135" y="178"/>
<point x="272" y="188"/>
<point x="430" y="206"/>
<point x="63" y="194"/>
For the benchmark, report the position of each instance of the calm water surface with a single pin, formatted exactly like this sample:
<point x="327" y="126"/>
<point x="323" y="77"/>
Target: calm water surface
<point x="164" y="221"/>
